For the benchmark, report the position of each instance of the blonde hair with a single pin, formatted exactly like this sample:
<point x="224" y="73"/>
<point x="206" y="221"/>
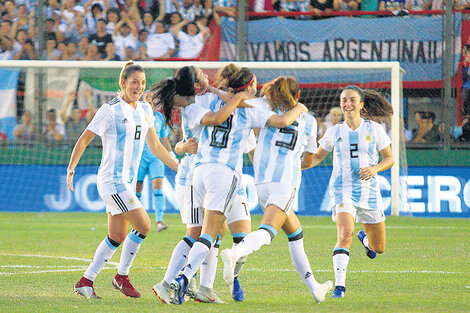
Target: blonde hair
<point x="281" y="92"/>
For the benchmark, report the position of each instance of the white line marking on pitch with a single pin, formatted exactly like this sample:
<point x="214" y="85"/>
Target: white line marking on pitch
<point x="53" y="257"/>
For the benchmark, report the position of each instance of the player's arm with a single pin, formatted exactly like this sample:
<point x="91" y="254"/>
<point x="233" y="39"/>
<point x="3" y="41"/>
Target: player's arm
<point x="286" y="119"/>
<point x="77" y="153"/>
<point x="216" y="118"/>
<point x="367" y="173"/>
<point x="159" y="150"/>
<point x="313" y="159"/>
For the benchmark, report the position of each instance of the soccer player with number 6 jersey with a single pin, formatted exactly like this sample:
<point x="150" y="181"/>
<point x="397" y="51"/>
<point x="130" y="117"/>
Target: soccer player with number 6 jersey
<point x="124" y="124"/>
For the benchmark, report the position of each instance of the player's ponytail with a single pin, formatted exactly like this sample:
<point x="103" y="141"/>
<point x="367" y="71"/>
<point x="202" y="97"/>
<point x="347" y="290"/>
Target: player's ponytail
<point x="281" y="93"/>
<point x="127" y="71"/>
<point x="240" y="80"/>
<point x="164" y="92"/>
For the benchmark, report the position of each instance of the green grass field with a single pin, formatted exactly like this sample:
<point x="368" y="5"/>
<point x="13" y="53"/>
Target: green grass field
<point x="426" y="268"/>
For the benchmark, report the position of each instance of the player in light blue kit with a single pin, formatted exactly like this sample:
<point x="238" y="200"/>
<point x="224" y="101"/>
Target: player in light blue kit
<point x="151" y="165"/>
<point x="219" y="164"/>
<point x="277" y="167"/>
<point x="355" y="192"/>
<point x="123" y="124"/>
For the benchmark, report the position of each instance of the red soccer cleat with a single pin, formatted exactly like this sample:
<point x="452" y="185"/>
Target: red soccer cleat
<point x="123" y="284"/>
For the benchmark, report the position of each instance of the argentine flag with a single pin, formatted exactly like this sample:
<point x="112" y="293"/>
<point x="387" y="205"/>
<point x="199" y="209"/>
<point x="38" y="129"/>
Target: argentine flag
<point x="8" y="87"/>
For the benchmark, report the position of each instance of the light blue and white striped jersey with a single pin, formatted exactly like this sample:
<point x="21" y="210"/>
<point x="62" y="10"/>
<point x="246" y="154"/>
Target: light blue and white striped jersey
<point x="162" y="130"/>
<point x="184" y="175"/>
<point x="123" y="131"/>
<point x="277" y="156"/>
<point x="225" y="143"/>
<point x="226" y="3"/>
<point x="352" y="150"/>
<point x="169" y="7"/>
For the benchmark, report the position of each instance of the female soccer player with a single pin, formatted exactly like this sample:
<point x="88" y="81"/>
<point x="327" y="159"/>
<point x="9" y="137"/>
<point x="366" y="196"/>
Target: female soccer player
<point x="123" y="125"/>
<point x="218" y="165"/>
<point x="150" y="164"/>
<point x="277" y="168"/>
<point x="170" y="93"/>
<point x="354" y="189"/>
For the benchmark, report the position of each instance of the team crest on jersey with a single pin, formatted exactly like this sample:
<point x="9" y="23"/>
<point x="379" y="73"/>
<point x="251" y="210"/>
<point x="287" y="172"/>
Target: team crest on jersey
<point x="368" y="137"/>
<point x="131" y="201"/>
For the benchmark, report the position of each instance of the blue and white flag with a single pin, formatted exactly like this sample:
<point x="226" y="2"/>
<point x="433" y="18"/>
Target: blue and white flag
<point x="8" y="87"/>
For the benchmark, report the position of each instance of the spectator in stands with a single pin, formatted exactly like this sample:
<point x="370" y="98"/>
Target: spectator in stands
<point x="112" y="18"/>
<point x="24" y="47"/>
<point x="54" y="133"/>
<point x="160" y="45"/>
<point x="92" y="53"/>
<point x="228" y="7"/>
<point x="292" y="6"/>
<point x="334" y="116"/>
<point x="6" y="30"/>
<point x="82" y="47"/>
<point x="5" y="50"/>
<point x="192" y="40"/>
<point x="72" y="116"/>
<point x="466" y="80"/>
<point x="23" y="20"/>
<point x="142" y="54"/>
<point x="71" y="52"/>
<point x="93" y="15"/>
<point x="175" y="19"/>
<point x="77" y="30"/>
<point x="327" y="6"/>
<point x="416" y="5"/>
<point x="187" y="11"/>
<point x="111" y="53"/>
<point x="462" y="5"/>
<point x="351" y="5"/>
<point x="50" y="32"/>
<point x="197" y="5"/>
<point x="25" y="130"/>
<point x="465" y="136"/>
<point x="391" y="5"/>
<point x="427" y="131"/>
<point x="167" y="7"/>
<point x="51" y="52"/>
<point x="129" y="53"/>
<point x="142" y="38"/>
<point x="62" y="47"/>
<point x="101" y="37"/>
<point x="10" y="8"/>
<point x="209" y="13"/>
<point x="125" y="35"/>
<point x="147" y="22"/>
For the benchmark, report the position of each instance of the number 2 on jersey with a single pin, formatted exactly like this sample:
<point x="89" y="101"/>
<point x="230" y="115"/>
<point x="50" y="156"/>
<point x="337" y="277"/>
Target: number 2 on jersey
<point x="219" y="136"/>
<point x="353" y="150"/>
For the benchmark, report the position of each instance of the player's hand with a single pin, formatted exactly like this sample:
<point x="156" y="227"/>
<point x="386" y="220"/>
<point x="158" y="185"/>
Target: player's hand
<point x="366" y="173"/>
<point x="190" y="146"/>
<point x="70" y="179"/>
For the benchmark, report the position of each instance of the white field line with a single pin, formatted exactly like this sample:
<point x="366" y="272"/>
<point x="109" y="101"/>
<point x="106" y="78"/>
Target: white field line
<point x="74" y="268"/>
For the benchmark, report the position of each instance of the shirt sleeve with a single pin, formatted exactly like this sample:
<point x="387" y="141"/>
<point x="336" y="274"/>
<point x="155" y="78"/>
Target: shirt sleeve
<point x="101" y="120"/>
<point x="326" y="142"/>
<point x="260" y="112"/>
<point x="381" y="138"/>
<point x="197" y="110"/>
<point x="312" y="137"/>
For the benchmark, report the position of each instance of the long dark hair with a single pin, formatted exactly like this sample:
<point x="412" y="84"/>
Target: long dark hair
<point x="375" y="105"/>
<point x="165" y="91"/>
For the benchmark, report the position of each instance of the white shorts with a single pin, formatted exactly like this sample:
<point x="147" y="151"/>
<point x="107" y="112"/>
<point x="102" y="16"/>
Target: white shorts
<point x="121" y="202"/>
<point x="281" y="195"/>
<point x="240" y="211"/>
<point x="190" y="215"/>
<point x="360" y="215"/>
<point x="215" y="186"/>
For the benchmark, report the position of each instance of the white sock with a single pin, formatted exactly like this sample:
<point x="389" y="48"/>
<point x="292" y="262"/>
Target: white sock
<point x="209" y="268"/>
<point x="130" y="248"/>
<point x="178" y="258"/>
<point x="197" y="255"/>
<point x="240" y="263"/>
<point x="252" y="242"/>
<point x="103" y="254"/>
<point x="301" y="263"/>
<point x="366" y="241"/>
<point x="340" y="264"/>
